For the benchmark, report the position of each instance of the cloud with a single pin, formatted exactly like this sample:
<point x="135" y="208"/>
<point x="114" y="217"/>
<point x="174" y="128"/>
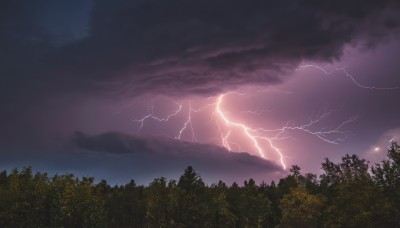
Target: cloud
<point x="173" y="47"/>
<point x="109" y="142"/>
<point x="164" y="155"/>
<point x="203" y="47"/>
<point x="178" y="47"/>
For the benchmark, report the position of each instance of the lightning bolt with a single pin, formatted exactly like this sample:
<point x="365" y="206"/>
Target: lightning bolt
<point x="347" y="74"/>
<point x="255" y="135"/>
<point x="324" y="135"/>
<point x="187" y="123"/>
<point x="151" y="115"/>
<point x="262" y="140"/>
<point x="258" y="135"/>
<point x="245" y="129"/>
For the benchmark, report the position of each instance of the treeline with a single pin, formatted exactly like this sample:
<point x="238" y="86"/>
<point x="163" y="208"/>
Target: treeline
<point x="348" y="194"/>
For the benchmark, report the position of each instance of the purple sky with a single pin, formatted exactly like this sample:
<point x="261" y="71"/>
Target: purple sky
<point x="76" y="78"/>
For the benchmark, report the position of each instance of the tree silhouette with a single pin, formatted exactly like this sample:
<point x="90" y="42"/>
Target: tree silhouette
<point x="346" y="194"/>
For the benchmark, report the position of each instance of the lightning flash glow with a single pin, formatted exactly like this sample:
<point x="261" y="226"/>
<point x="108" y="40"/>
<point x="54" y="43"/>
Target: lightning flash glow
<point x="262" y="140"/>
<point x="255" y="136"/>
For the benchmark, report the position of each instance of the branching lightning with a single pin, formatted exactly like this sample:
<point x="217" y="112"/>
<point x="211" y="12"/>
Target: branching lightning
<point x="245" y="129"/>
<point x="261" y="139"/>
<point x="324" y="135"/>
<point x="188" y="122"/>
<point x="253" y="135"/>
<point x="151" y="115"/>
<point x="347" y="74"/>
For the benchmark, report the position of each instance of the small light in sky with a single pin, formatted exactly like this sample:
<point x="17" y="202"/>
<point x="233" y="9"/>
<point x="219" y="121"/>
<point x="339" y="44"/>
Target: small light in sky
<point x="376" y="149"/>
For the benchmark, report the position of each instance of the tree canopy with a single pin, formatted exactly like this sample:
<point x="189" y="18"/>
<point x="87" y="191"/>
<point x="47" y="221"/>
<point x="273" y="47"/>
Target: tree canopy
<point x="350" y="193"/>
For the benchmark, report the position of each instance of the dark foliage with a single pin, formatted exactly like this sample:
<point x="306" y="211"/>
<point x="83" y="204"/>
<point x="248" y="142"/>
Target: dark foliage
<point x="347" y="194"/>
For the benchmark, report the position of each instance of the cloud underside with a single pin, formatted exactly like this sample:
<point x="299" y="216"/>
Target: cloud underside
<point x="168" y="154"/>
<point x="177" y="46"/>
<point x="189" y="47"/>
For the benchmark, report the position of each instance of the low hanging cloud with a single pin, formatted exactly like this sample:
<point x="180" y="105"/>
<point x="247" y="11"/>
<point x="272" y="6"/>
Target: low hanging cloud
<point x="164" y="154"/>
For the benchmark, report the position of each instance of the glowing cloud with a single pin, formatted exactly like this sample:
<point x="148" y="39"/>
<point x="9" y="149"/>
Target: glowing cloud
<point x="226" y="126"/>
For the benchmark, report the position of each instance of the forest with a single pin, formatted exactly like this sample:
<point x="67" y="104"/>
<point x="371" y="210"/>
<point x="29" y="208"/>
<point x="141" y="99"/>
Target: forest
<point x="351" y="193"/>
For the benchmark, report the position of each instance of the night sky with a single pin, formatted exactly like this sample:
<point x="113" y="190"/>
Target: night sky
<point x="143" y="88"/>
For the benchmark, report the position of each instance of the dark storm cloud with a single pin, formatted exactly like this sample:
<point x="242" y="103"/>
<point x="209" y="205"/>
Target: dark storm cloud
<point x="204" y="155"/>
<point x="207" y="46"/>
<point x="29" y="32"/>
<point x="110" y="142"/>
<point x="176" y="46"/>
